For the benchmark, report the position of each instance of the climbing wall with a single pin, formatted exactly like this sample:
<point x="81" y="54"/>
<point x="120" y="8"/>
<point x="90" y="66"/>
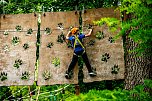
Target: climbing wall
<point x="55" y="55"/>
<point x="17" y="49"/>
<point x="106" y="55"/>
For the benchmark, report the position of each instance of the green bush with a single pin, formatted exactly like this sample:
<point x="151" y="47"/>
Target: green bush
<point x="137" y="94"/>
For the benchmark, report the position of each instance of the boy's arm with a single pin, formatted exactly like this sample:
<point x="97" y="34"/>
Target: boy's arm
<point x="67" y="36"/>
<point x="90" y="31"/>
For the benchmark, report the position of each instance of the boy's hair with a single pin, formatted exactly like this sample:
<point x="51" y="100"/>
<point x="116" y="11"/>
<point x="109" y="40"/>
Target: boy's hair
<point x="74" y="30"/>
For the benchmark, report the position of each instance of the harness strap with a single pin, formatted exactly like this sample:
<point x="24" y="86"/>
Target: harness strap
<point x="76" y="39"/>
<point x="79" y="55"/>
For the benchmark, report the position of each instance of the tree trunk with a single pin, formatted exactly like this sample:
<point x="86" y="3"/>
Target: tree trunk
<point x="137" y="68"/>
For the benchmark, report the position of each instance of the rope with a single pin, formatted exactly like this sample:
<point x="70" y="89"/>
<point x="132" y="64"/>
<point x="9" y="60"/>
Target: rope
<point x="16" y="92"/>
<point x="27" y="95"/>
<point x="56" y="90"/>
<point x="23" y="96"/>
<point x="38" y="93"/>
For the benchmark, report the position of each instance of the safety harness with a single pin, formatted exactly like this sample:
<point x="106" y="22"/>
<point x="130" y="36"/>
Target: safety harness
<point x="77" y="39"/>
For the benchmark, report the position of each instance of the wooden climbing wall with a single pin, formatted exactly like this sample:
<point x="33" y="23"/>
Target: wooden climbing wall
<point x="54" y="54"/>
<point x="49" y="72"/>
<point x="104" y="55"/>
<point x="11" y="72"/>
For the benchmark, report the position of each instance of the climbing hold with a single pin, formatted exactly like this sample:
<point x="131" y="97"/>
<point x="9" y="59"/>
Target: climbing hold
<point x="105" y="57"/>
<point x="17" y="63"/>
<point x="56" y="61"/>
<point x="26" y="46"/>
<point x="15" y="40"/>
<point x="18" y="28"/>
<point x="115" y="69"/>
<point x="61" y="38"/>
<point x="6" y="32"/>
<point x="99" y="35"/>
<point x="29" y="31"/>
<point x="48" y="31"/>
<point x="50" y="44"/>
<point x="111" y="40"/>
<point x="3" y="76"/>
<point x="46" y="75"/>
<point x="25" y="75"/>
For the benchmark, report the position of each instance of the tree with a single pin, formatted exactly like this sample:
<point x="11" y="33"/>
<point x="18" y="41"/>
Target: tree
<point x="138" y="41"/>
<point x="28" y="6"/>
<point x="136" y="30"/>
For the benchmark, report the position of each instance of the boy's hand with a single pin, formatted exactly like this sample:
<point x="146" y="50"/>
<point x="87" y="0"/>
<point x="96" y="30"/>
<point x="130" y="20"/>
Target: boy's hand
<point x="90" y="26"/>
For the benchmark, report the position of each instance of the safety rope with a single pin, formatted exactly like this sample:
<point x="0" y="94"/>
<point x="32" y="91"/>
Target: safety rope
<point x="40" y="94"/>
<point x="15" y="92"/>
<point x="27" y="95"/>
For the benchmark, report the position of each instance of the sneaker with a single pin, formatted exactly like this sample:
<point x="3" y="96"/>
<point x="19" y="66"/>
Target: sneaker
<point x="93" y="73"/>
<point x="68" y="75"/>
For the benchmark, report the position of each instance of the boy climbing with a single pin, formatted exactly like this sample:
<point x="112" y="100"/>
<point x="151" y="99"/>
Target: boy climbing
<point x="76" y="40"/>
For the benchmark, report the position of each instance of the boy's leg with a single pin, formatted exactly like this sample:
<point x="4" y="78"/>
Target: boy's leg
<point x="87" y="63"/>
<point x="69" y="72"/>
<point x="73" y="63"/>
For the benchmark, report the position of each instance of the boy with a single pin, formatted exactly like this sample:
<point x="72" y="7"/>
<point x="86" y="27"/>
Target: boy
<point x="76" y="39"/>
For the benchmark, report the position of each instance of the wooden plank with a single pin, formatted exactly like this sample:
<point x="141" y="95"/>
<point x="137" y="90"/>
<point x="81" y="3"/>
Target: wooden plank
<point x="58" y="50"/>
<point x="95" y="52"/>
<point x="9" y="52"/>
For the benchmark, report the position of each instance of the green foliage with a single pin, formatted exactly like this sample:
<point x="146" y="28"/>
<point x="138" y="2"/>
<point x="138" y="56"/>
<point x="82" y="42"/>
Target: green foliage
<point x="46" y="75"/>
<point x="99" y="35"/>
<point x="148" y="83"/>
<point x="138" y="27"/>
<point x="4" y="92"/>
<point x="56" y="61"/>
<point x="140" y="23"/>
<point x="110" y="85"/>
<point x="28" y="6"/>
<point x="18" y="92"/>
<point x="112" y="23"/>
<point x="137" y="94"/>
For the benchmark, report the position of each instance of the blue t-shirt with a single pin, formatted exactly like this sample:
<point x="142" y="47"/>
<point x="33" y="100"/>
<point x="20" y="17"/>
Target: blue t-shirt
<point x="78" y="47"/>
